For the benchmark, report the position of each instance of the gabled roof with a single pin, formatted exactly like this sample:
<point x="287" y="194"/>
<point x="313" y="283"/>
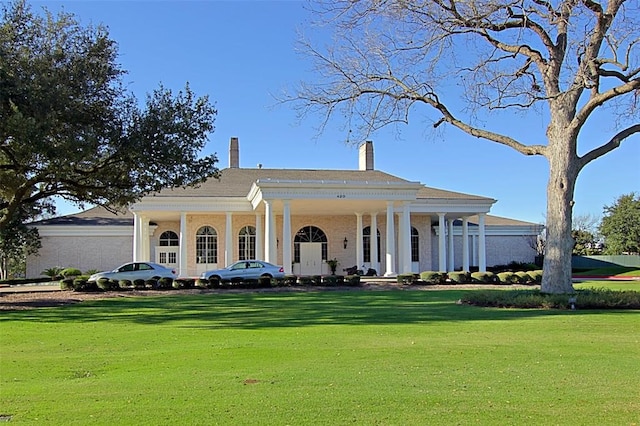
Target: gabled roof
<point x="94" y="216"/>
<point x="236" y="182"/>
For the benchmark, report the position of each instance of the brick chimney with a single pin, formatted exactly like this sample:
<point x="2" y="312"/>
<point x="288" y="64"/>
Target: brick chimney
<point x="366" y="156"/>
<point x="234" y="154"/>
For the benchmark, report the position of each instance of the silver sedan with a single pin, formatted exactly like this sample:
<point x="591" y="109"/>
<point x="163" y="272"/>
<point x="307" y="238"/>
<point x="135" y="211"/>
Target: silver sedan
<point x="245" y="269"/>
<point x="136" y="271"/>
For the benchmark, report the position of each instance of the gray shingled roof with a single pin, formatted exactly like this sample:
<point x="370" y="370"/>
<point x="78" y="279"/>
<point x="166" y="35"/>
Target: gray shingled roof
<point x="236" y="182"/>
<point x="93" y="216"/>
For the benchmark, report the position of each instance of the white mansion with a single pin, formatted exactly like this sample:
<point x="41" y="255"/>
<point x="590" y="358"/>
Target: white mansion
<point x="292" y="217"/>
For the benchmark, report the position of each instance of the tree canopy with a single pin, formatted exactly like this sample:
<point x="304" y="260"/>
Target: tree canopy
<point x="69" y="128"/>
<point x="395" y="61"/>
<point x="620" y="225"/>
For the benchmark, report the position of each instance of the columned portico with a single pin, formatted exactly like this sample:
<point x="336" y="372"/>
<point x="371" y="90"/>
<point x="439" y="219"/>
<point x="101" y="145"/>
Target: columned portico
<point x="259" y="236"/>
<point x="405" y="240"/>
<point x="390" y="254"/>
<point x="182" y="262"/>
<point x="373" y="242"/>
<point x="228" y="239"/>
<point x="286" y="237"/>
<point x="359" y="246"/>
<point x="465" y="243"/>
<point x="482" y="249"/>
<point x="450" y="246"/>
<point x="270" y="254"/>
<point x="442" y="245"/>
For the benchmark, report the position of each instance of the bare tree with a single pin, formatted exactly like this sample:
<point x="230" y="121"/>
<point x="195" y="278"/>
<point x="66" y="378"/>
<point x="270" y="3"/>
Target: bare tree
<point x="566" y="60"/>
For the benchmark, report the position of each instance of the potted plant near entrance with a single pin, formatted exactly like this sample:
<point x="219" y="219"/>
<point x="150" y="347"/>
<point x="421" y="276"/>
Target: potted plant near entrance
<point x="333" y="265"/>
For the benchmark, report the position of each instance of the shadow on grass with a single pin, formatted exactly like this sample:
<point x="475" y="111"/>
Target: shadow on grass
<point x="267" y="310"/>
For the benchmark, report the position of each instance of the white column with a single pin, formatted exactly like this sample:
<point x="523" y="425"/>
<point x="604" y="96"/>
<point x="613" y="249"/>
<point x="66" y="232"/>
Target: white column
<point x="390" y="256"/>
<point x="442" y="244"/>
<point x="270" y="254"/>
<point x="450" y="245"/>
<point x="228" y="240"/>
<point x="137" y="236"/>
<point x="482" y="249"/>
<point x="259" y="237"/>
<point x="373" y="246"/>
<point x="286" y="237"/>
<point x="465" y="244"/>
<point x="359" y="247"/>
<point x="182" y="263"/>
<point x="405" y="231"/>
<point x="146" y="240"/>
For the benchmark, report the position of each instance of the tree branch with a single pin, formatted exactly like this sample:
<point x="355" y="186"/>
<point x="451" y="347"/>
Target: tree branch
<point x="609" y="146"/>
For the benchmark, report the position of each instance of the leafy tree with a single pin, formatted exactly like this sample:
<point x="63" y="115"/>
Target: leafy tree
<point x="68" y="127"/>
<point x="621" y="225"/>
<point x="567" y="59"/>
<point x="585" y="228"/>
<point x="17" y="240"/>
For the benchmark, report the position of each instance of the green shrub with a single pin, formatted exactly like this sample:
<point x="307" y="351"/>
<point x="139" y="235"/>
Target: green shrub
<point x="139" y="284"/>
<point x="201" y="283"/>
<point x="66" y="284"/>
<point x="484" y="277"/>
<point x="53" y="273"/>
<point x="125" y="284"/>
<point x="70" y="272"/>
<point x="432" y="277"/>
<point x="305" y="280"/>
<point x="458" y="277"/>
<point x="105" y="284"/>
<point x="151" y="283"/>
<point x="507" y="278"/>
<point x="290" y="280"/>
<point x="523" y="277"/>
<point x="534" y="299"/>
<point x="352" y="280"/>
<point x="264" y="282"/>
<point x="81" y="284"/>
<point x="339" y="279"/>
<point x="165" y="283"/>
<point x="329" y="280"/>
<point x="407" y="279"/>
<point x="316" y="280"/>
<point x="535" y="276"/>
<point x="277" y="282"/>
<point x="91" y="272"/>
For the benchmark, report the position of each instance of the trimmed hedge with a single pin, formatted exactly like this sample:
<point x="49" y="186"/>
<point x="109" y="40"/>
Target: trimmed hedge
<point x="458" y="277"/>
<point x="407" y="279"/>
<point x="70" y="272"/>
<point x="432" y="277"/>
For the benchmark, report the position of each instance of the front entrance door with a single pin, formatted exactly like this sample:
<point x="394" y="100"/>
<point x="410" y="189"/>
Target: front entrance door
<point x="310" y="258"/>
<point x="167" y="256"/>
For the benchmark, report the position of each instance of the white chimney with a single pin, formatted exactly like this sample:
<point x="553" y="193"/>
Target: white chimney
<point x="366" y="156"/>
<point x="234" y="154"/>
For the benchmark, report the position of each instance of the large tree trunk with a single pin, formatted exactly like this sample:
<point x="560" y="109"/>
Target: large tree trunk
<point x="563" y="172"/>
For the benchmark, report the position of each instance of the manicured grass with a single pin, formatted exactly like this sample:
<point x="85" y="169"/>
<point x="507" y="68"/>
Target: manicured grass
<point x="311" y="358"/>
<point x="622" y="271"/>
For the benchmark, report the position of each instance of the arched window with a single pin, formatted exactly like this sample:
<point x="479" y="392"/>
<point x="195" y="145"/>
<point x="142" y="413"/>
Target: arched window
<point x="169" y="238"/>
<point x="247" y="243"/>
<point x="415" y="245"/>
<point x="206" y="245"/>
<point x="366" y="244"/>
<point x="309" y="234"/>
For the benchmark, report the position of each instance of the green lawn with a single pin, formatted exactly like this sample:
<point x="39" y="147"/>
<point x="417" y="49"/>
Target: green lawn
<point x="318" y="358"/>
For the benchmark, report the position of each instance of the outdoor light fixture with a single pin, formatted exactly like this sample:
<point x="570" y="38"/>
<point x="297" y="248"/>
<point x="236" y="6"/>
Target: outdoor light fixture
<point x="345" y="242"/>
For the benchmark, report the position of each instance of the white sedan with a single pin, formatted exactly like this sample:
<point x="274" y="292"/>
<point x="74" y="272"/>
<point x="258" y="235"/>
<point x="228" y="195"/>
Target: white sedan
<point x="245" y="269"/>
<point x="136" y="271"/>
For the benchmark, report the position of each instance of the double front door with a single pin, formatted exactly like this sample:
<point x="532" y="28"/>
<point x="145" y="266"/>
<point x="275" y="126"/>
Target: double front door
<point x="311" y="259"/>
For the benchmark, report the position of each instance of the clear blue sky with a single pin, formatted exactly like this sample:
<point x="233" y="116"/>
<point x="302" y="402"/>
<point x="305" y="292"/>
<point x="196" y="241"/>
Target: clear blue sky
<point x="242" y="53"/>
